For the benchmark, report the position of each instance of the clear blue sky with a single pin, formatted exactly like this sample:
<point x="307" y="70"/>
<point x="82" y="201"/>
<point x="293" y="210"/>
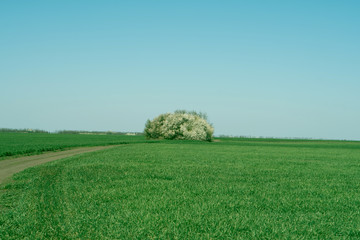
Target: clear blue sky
<point x="257" y="68"/>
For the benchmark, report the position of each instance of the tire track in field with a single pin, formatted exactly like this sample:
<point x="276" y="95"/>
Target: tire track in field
<point x="10" y="166"/>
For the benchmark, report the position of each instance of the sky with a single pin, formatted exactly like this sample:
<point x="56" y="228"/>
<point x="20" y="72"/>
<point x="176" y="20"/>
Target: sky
<point x="257" y="68"/>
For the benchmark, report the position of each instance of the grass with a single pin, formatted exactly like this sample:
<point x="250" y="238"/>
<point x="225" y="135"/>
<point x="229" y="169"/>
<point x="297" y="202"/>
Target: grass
<point x="233" y="189"/>
<point x="16" y="143"/>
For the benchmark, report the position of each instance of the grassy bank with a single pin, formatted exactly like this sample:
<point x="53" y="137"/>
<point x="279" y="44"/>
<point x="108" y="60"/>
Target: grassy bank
<point x="233" y="189"/>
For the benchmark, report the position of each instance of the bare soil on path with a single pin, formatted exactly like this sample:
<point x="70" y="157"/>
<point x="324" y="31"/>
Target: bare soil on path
<point x="10" y="166"/>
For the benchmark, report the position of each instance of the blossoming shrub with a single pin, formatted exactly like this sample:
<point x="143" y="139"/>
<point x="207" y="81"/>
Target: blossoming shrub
<point x="179" y="125"/>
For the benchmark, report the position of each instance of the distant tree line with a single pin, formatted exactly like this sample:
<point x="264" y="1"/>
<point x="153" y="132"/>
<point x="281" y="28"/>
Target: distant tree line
<point x="97" y="132"/>
<point x="23" y="130"/>
<point x="28" y="130"/>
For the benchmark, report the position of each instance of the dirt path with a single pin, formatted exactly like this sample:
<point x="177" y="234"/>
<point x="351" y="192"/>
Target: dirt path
<point x="10" y="166"/>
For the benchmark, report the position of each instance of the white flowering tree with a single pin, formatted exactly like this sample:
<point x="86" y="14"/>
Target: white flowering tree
<point x="179" y="125"/>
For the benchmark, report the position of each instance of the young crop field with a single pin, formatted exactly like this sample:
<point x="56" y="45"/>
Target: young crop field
<point x="228" y="189"/>
<point x="15" y="143"/>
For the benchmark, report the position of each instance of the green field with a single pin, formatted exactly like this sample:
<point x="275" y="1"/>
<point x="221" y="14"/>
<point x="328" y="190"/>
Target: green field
<point x="231" y="189"/>
<point x="14" y="143"/>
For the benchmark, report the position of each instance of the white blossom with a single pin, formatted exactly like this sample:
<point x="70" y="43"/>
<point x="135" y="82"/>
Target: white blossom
<point x="179" y="125"/>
